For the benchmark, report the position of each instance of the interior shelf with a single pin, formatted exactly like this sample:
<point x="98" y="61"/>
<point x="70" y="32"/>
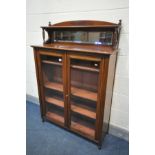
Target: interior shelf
<point x="52" y="62"/>
<point x="83" y="111"/>
<point x="85" y="68"/>
<point x="54" y="85"/>
<point x="55" y="118"/>
<point x="80" y="128"/>
<point x="85" y="130"/>
<point x="83" y="93"/>
<point x="86" y="94"/>
<point x="54" y="101"/>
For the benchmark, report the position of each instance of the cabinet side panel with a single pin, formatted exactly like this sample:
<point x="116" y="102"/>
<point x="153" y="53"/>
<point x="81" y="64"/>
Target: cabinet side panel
<point x="101" y="98"/>
<point x="109" y="91"/>
<point x="38" y="81"/>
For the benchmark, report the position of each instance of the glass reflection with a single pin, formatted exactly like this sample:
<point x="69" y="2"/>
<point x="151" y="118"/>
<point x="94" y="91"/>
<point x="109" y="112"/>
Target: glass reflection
<point x="103" y="38"/>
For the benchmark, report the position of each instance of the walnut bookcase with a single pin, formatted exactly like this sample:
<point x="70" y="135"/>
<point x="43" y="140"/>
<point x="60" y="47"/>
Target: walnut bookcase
<point x="75" y="70"/>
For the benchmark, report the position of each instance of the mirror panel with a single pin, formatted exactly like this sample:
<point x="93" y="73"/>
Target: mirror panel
<point x="101" y="38"/>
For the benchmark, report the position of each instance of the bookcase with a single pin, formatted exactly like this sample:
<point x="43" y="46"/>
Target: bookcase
<point x="75" y="69"/>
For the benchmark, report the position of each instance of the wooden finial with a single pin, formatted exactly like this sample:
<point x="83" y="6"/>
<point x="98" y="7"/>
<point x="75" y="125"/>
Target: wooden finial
<point x="120" y="22"/>
<point x="49" y="23"/>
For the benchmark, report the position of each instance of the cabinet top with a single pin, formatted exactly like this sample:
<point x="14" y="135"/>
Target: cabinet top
<point x="92" y="49"/>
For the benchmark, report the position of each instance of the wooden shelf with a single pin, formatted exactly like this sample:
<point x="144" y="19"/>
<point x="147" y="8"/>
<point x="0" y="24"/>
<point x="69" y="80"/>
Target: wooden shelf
<point x="52" y="62"/>
<point x="54" y="86"/>
<point x="85" y="68"/>
<point x="54" y="101"/>
<point x="83" y="111"/>
<point x="84" y="130"/>
<point x="86" y="94"/>
<point x="55" y="118"/>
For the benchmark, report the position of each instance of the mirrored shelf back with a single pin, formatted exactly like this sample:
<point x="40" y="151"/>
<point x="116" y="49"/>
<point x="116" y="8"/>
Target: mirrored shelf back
<point x="83" y="32"/>
<point x="99" y="38"/>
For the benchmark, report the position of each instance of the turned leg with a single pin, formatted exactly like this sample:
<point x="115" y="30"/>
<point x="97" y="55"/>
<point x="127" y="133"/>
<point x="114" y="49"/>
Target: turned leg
<point x="99" y="146"/>
<point x="43" y="119"/>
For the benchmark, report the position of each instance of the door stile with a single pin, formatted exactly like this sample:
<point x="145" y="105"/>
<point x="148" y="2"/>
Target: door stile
<point x="68" y="79"/>
<point x="98" y="100"/>
<point x="65" y="90"/>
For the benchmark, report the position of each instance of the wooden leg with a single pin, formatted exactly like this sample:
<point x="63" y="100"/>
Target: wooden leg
<point x="99" y="146"/>
<point x="43" y="119"/>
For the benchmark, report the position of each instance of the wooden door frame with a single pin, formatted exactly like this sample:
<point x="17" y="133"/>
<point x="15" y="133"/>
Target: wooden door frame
<point x="85" y="58"/>
<point x="41" y="81"/>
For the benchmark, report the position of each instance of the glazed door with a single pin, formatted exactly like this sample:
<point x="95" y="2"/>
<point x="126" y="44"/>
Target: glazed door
<point x="84" y="78"/>
<point x="52" y="85"/>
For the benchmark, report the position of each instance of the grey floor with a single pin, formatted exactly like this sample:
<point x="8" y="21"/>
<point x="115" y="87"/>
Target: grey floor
<point x="48" y="139"/>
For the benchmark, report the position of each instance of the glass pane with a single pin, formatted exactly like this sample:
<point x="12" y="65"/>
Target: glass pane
<point x="53" y="87"/>
<point x="103" y="38"/>
<point x="84" y="89"/>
